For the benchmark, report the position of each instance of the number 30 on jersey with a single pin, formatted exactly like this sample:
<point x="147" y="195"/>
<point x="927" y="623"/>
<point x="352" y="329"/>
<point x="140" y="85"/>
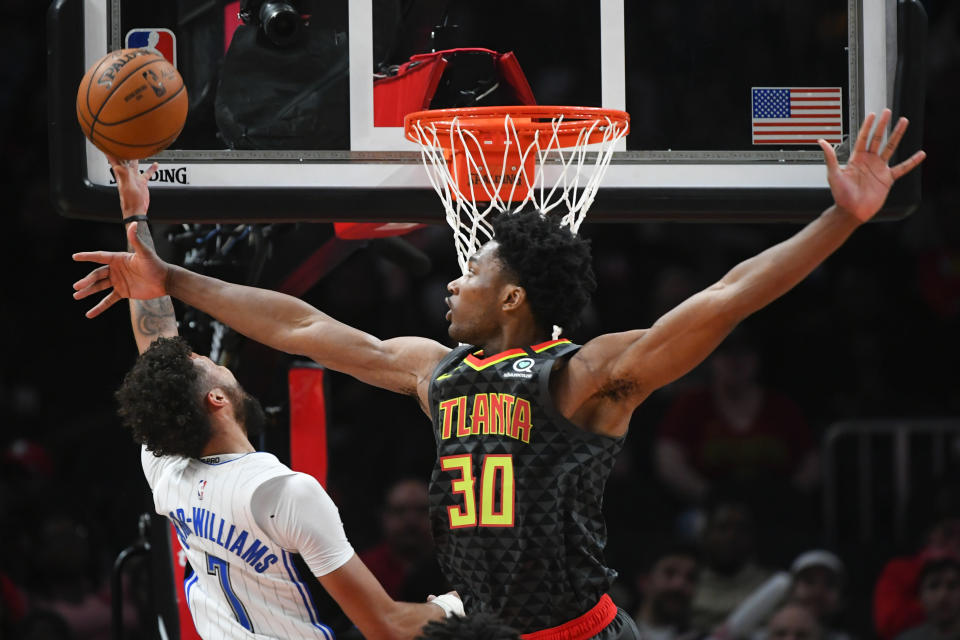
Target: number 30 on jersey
<point x="496" y="478"/>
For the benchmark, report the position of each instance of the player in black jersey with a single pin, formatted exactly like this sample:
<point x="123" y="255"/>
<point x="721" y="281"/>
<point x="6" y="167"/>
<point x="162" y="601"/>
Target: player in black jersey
<point x="527" y="428"/>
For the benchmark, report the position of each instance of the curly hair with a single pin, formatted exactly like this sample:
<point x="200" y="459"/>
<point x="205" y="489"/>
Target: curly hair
<point x="552" y="264"/>
<point x="475" y="626"/>
<point x="161" y="401"/>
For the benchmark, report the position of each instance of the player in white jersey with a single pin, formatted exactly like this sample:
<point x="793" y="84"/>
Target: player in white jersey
<point x="241" y="515"/>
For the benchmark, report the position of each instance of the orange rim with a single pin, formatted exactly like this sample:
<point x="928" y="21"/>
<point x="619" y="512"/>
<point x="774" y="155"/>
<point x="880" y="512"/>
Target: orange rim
<point x="527" y="119"/>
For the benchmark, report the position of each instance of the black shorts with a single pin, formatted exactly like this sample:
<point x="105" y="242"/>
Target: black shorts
<point x="621" y="628"/>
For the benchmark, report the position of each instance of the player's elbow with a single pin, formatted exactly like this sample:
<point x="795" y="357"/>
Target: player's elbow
<point x="730" y="303"/>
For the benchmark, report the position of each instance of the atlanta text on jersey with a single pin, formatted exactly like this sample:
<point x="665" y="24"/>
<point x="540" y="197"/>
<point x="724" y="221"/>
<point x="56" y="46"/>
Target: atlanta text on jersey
<point x="489" y="414"/>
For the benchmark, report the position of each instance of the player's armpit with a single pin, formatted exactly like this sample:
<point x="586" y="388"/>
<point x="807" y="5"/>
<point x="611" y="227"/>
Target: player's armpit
<point x="613" y="373"/>
<point x="377" y="616"/>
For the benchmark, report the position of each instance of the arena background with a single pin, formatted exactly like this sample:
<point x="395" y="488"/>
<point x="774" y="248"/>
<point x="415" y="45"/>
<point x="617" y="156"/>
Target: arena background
<point x="871" y="334"/>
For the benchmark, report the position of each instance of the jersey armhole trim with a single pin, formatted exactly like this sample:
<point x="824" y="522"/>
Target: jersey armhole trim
<point x="551" y="406"/>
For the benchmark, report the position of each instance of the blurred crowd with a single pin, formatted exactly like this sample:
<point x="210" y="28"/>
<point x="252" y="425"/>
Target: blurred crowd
<point x="716" y="510"/>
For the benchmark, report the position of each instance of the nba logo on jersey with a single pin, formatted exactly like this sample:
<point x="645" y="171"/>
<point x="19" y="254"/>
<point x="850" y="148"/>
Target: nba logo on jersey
<point x="201" y="488"/>
<point x="160" y="40"/>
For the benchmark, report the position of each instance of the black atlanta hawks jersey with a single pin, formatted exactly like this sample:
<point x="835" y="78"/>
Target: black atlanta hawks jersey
<point x="517" y="489"/>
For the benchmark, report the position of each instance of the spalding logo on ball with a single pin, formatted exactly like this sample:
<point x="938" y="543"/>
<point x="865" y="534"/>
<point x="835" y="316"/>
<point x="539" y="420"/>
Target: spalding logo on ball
<point x="132" y="103"/>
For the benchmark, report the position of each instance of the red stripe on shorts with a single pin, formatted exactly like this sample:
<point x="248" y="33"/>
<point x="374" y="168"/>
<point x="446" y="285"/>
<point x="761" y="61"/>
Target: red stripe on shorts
<point x="586" y="626"/>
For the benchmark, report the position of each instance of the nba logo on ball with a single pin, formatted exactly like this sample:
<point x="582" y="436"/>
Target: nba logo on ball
<point x="160" y="40"/>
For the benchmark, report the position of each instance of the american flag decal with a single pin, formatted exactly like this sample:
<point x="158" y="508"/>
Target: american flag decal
<point x="796" y="115"/>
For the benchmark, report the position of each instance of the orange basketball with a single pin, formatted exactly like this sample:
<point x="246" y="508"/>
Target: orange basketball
<point x="132" y="103"/>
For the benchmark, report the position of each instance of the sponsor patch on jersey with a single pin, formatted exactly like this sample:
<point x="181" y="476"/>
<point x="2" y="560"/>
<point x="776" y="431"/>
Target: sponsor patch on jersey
<point x="158" y="39"/>
<point x="201" y="488"/>
<point x="522" y="368"/>
<point x="523" y="364"/>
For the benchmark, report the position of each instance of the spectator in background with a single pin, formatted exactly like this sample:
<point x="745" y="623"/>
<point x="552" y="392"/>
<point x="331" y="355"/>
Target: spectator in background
<point x="735" y="431"/>
<point x="667" y="588"/>
<point x="793" y="622"/>
<point x="896" y="605"/>
<point x="404" y="561"/>
<point x="818" y="577"/>
<point x="939" y="593"/>
<point x="815" y="582"/>
<point x="730" y="572"/>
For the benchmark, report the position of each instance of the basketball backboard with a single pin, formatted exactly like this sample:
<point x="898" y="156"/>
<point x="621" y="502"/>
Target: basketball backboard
<point x="705" y="84"/>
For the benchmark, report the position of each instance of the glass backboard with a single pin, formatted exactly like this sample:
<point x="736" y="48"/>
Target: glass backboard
<point x="726" y="100"/>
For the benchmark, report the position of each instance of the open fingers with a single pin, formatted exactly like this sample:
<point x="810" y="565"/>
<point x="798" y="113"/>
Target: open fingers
<point x="894" y="140"/>
<point x="89" y="290"/>
<point x="103" y="257"/>
<point x="879" y="131"/>
<point x="908" y="165"/>
<point x="861" y="143"/>
<point x="100" y="273"/>
<point x="149" y="172"/>
<point x="103" y="305"/>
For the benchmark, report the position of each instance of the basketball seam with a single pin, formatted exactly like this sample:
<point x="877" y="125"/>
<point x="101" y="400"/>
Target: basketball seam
<point x="146" y="144"/>
<point x="159" y="104"/>
<point x="90" y="85"/>
<point x="106" y="99"/>
<point x="84" y="122"/>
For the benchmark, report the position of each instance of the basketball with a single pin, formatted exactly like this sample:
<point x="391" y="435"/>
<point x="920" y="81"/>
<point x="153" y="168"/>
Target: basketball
<point x="132" y="103"/>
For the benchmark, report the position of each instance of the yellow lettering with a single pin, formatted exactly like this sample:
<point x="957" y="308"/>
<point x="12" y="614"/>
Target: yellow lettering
<point x="446" y="413"/>
<point x="493" y="466"/>
<point x="481" y="409"/>
<point x="462" y="428"/>
<point x="495" y="417"/>
<point x="467" y="516"/>
<point x="520" y="427"/>
<point x="507" y="400"/>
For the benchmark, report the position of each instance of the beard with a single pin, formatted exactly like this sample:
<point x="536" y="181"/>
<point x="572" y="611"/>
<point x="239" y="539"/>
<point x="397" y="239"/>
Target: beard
<point x="254" y="418"/>
<point x="248" y="411"/>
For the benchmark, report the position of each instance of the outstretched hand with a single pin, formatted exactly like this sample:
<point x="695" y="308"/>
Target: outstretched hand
<point x="862" y="186"/>
<point x="132" y="185"/>
<point x="141" y="275"/>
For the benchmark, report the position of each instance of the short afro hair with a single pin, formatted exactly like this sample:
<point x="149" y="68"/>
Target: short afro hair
<point x="552" y="264"/>
<point x="161" y="401"/>
<point x="474" y="626"/>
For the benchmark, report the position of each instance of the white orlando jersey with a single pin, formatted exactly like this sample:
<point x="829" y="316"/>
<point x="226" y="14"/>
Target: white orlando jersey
<point x="240" y="517"/>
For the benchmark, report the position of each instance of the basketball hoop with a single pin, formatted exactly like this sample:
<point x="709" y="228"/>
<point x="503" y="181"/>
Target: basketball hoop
<point x="483" y="161"/>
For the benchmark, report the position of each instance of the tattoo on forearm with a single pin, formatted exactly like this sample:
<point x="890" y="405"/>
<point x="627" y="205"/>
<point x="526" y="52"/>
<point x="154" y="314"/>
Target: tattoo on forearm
<point x="154" y="317"/>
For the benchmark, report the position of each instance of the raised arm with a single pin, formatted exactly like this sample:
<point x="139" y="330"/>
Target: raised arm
<point x="638" y="362"/>
<point x="277" y="320"/>
<point x="149" y="318"/>
<point x="154" y="318"/>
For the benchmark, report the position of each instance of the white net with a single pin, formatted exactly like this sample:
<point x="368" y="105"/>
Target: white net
<point x="548" y="169"/>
